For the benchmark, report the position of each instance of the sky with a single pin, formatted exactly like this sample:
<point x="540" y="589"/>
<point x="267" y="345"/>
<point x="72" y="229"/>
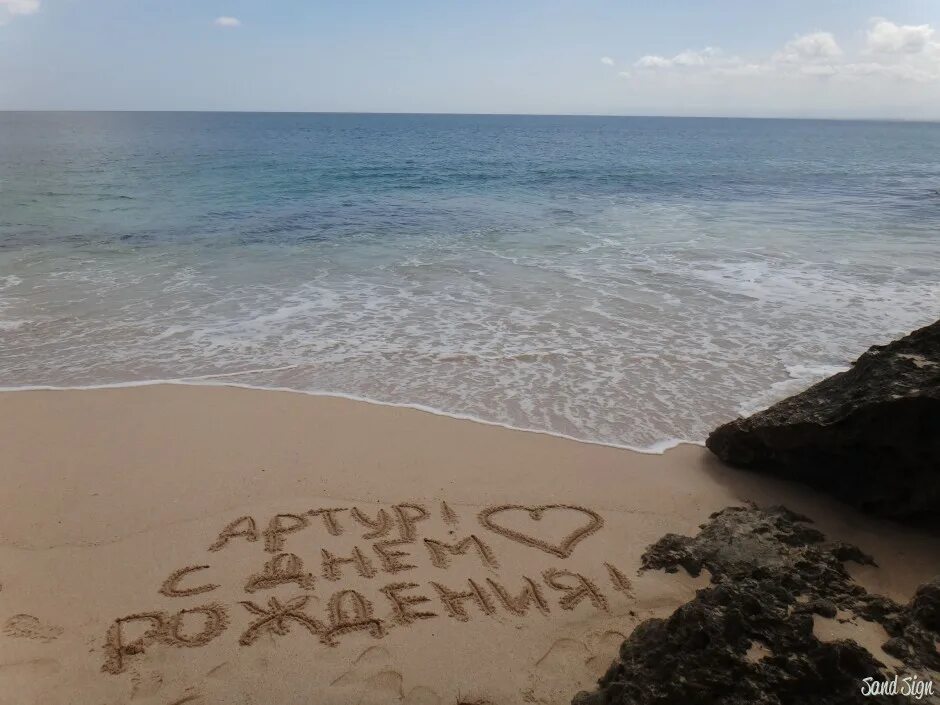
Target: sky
<point x="795" y="58"/>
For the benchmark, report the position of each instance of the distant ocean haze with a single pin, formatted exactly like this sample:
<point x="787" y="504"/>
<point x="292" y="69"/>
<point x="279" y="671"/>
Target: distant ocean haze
<point x="626" y="280"/>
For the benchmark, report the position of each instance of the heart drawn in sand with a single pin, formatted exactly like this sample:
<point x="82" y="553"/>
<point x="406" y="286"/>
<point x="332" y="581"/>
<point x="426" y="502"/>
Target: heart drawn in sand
<point x="564" y="548"/>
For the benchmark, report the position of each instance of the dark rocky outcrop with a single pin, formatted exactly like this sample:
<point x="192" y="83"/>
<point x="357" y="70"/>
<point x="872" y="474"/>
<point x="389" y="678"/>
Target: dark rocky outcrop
<point x="870" y="435"/>
<point x="748" y="639"/>
<point x="926" y="605"/>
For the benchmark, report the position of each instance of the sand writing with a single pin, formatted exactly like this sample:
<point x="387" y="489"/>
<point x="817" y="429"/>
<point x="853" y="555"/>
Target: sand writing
<point x="279" y="527"/>
<point x="243" y="527"/>
<point x="378" y="546"/>
<point x="350" y="612"/>
<point x="378" y="528"/>
<point x="530" y="596"/>
<point x="277" y="618"/>
<point x="403" y="606"/>
<point x="563" y="549"/>
<point x="449" y="515"/>
<point x="332" y="564"/>
<point x="620" y="581"/>
<point x="171" y="586"/>
<point x="454" y="600"/>
<point x="330" y="520"/>
<point x="441" y="551"/>
<point x="393" y="560"/>
<point x="282" y="569"/>
<point x="575" y="588"/>
<point x="159" y="626"/>
<point x="408" y="517"/>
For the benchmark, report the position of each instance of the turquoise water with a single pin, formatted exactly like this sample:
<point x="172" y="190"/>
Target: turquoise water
<point x="625" y="280"/>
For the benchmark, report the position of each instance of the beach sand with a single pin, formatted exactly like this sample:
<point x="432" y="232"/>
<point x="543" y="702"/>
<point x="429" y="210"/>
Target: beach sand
<point x="202" y="511"/>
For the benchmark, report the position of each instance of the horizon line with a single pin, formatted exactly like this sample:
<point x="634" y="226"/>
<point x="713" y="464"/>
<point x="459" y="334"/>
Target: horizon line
<point x="475" y="114"/>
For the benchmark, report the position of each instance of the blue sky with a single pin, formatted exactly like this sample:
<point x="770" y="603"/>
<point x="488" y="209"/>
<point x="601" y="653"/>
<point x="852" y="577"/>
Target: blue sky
<point x="826" y="58"/>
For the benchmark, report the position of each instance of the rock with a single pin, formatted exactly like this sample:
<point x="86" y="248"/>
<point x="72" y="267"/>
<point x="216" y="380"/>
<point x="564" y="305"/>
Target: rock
<point x="897" y="647"/>
<point x="825" y="608"/>
<point x="926" y="605"/>
<point x="748" y="639"/>
<point x="870" y="435"/>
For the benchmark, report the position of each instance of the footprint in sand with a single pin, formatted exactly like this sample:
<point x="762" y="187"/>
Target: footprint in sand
<point x="26" y="626"/>
<point x="420" y="695"/>
<point x="374" y="679"/>
<point x="367" y="664"/>
<point x="567" y="654"/>
<point x="188" y="697"/>
<point x="572" y="663"/>
<point x="145" y="684"/>
<point x="382" y="688"/>
<point x="604" y="647"/>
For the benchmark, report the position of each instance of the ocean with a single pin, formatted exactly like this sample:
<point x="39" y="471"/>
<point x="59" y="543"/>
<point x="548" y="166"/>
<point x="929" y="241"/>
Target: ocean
<point x="631" y="281"/>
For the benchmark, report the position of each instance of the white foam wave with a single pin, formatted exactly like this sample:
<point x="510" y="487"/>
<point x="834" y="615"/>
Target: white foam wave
<point x="13" y="325"/>
<point x="627" y="331"/>
<point x="800" y="377"/>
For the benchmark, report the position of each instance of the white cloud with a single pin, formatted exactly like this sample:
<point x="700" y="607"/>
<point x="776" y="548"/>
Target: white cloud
<point x="686" y="58"/>
<point x="653" y="61"/>
<point x="20" y="7"/>
<point x="11" y="8"/>
<point x="893" y="53"/>
<point x="740" y="68"/>
<point x="227" y="22"/>
<point x="885" y="37"/>
<point x="815" y="46"/>
<point x="607" y="61"/>
<point x="695" y="58"/>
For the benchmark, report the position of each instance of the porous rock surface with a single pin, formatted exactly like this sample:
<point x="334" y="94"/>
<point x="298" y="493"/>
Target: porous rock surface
<point x="748" y="639"/>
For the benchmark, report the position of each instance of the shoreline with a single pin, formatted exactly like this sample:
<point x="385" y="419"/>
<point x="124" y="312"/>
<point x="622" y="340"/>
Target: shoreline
<point x="146" y="531"/>
<point x="656" y="449"/>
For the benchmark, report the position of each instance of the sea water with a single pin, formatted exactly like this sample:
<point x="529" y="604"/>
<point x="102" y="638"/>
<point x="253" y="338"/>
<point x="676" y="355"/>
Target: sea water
<point x="624" y="280"/>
